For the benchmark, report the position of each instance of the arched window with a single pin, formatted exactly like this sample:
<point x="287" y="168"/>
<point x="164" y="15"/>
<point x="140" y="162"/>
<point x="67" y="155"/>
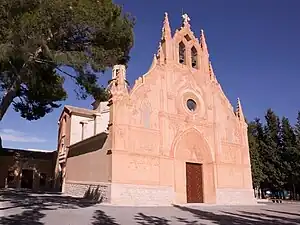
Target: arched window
<point x="182" y="53"/>
<point x="146" y="114"/>
<point x="194" y="54"/>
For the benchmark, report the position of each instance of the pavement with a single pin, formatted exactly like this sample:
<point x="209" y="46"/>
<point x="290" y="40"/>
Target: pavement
<point x="38" y="209"/>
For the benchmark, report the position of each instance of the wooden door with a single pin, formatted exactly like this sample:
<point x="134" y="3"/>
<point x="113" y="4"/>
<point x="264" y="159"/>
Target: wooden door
<point x="27" y="179"/>
<point x="194" y="185"/>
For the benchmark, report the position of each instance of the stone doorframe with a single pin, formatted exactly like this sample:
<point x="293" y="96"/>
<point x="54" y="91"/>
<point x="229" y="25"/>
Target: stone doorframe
<point x="191" y="146"/>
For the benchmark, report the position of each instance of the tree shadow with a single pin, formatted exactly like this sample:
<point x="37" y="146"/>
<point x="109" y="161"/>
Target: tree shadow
<point x="94" y="194"/>
<point x="186" y="221"/>
<point x="282" y="212"/>
<point x="33" y="204"/>
<point x="240" y="218"/>
<point x="28" y="217"/>
<point x="143" y="219"/>
<point x="100" y="218"/>
<point x="279" y="219"/>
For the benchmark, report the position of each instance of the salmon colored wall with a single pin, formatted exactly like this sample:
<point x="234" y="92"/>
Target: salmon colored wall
<point x="89" y="161"/>
<point x="150" y="122"/>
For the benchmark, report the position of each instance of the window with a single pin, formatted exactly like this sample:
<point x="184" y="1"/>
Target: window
<point x="146" y="110"/>
<point x="194" y="54"/>
<point x="181" y="53"/>
<point x="191" y="105"/>
<point x="187" y="37"/>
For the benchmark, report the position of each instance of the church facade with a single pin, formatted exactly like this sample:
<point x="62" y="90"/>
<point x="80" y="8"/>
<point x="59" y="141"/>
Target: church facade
<point x="174" y="138"/>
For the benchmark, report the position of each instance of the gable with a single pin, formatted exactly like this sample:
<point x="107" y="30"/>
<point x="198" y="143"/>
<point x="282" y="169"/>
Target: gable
<point x="181" y="74"/>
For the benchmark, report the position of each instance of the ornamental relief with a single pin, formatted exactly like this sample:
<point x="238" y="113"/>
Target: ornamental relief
<point x="121" y="137"/>
<point x="142" y="115"/>
<point x="175" y="127"/>
<point x="135" y="116"/>
<point x="232" y="135"/>
<point x="143" y="168"/>
<point x="231" y="154"/>
<point x="142" y="141"/>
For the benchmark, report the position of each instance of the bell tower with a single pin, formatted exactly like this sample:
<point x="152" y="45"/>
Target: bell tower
<point x="184" y="47"/>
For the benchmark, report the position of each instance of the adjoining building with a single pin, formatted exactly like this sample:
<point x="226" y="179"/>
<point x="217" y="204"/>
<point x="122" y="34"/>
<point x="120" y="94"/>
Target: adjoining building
<point x="27" y="168"/>
<point x="173" y="138"/>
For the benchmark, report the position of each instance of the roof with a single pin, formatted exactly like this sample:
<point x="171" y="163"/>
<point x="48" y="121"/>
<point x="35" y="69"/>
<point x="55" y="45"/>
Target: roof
<point x="28" y="150"/>
<point x="81" y="111"/>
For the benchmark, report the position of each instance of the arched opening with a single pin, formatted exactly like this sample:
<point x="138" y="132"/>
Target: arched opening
<point x="146" y="114"/>
<point x="182" y="53"/>
<point x="193" y="169"/>
<point x="146" y="117"/>
<point x="194" y="54"/>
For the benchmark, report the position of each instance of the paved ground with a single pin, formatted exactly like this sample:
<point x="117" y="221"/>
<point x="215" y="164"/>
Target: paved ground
<point x="29" y="209"/>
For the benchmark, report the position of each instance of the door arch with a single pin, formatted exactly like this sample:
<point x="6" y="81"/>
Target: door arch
<point x="190" y="147"/>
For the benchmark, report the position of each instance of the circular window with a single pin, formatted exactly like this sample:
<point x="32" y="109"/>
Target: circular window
<point x="191" y="104"/>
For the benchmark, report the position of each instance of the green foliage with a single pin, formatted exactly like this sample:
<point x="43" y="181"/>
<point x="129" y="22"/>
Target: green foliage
<point x="39" y="39"/>
<point x="275" y="153"/>
<point x="255" y="153"/>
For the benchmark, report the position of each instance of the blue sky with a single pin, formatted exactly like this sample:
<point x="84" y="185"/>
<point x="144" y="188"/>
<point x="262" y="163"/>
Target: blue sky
<point x="254" y="47"/>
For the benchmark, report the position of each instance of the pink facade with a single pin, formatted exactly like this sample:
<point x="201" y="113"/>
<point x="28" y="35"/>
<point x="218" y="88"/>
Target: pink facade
<point x="173" y="138"/>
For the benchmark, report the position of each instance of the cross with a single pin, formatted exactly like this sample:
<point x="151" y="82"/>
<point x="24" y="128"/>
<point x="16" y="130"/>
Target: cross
<point x="186" y="18"/>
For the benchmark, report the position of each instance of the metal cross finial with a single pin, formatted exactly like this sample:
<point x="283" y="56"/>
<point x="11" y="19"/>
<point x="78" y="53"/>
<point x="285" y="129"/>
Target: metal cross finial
<point x="186" y="18"/>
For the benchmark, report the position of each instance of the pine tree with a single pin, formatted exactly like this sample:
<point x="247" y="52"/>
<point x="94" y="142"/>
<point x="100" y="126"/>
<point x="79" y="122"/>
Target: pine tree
<point x="296" y="165"/>
<point x="289" y="155"/>
<point x="273" y="167"/>
<point x="255" y="145"/>
<point x="39" y="39"/>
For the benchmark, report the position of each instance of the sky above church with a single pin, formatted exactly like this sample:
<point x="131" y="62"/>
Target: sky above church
<point x="254" y="47"/>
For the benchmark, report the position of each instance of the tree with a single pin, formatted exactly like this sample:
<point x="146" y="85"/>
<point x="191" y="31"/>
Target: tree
<point x="39" y="39"/>
<point x="273" y="167"/>
<point x="254" y="137"/>
<point x="297" y="130"/>
<point x="297" y="156"/>
<point x="290" y="156"/>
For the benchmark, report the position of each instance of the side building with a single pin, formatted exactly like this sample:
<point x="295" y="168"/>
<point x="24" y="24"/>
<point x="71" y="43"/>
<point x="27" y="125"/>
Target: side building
<point x="79" y="127"/>
<point x="27" y="168"/>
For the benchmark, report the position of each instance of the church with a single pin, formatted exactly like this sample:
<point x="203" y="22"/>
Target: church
<point x="173" y="138"/>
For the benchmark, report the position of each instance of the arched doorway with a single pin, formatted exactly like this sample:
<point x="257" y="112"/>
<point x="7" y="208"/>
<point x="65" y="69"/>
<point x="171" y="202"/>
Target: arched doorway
<point x="194" y="173"/>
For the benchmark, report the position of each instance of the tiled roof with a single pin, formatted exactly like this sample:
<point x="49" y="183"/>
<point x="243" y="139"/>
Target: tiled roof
<point x="80" y="110"/>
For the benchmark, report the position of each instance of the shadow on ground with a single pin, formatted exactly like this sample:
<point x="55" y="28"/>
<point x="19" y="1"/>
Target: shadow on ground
<point x="238" y="218"/>
<point x="33" y="208"/>
<point x="33" y="205"/>
<point x="100" y="218"/>
<point x="143" y="219"/>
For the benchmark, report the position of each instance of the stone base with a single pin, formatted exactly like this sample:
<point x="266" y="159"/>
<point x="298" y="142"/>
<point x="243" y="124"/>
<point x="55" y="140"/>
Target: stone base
<point x="96" y="191"/>
<point x="122" y="194"/>
<point x="144" y="195"/>
<point x="141" y="195"/>
<point x="229" y="196"/>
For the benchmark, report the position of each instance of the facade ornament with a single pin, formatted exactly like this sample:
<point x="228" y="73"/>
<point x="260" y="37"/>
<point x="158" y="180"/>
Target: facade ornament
<point x="186" y="19"/>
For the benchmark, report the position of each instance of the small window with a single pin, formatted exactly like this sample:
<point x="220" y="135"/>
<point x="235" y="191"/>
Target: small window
<point x="187" y="37"/>
<point x="191" y="105"/>
<point x="181" y="53"/>
<point x="194" y="54"/>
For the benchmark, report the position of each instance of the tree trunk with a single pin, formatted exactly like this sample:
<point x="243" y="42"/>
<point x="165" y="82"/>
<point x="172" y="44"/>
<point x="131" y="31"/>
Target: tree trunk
<point x="6" y="101"/>
<point x="294" y="191"/>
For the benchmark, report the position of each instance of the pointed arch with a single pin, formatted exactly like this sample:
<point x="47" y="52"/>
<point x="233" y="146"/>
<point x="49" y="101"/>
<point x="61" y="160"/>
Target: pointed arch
<point x="146" y="113"/>
<point x="194" y="57"/>
<point x="182" y="53"/>
<point x="192" y="140"/>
